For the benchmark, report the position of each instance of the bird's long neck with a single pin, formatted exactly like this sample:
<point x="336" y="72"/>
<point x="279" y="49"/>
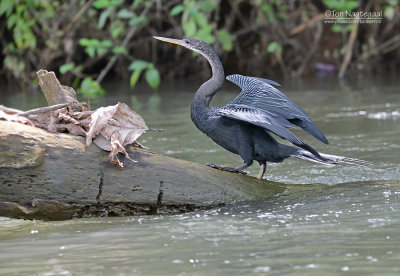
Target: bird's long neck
<point x="204" y="94"/>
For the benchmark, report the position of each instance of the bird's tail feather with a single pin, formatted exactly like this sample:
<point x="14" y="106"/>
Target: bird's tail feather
<point x="328" y="159"/>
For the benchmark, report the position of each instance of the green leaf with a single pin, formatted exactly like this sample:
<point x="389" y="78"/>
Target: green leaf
<point x="152" y="78"/>
<point x="13" y="64"/>
<point x="119" y="50"/>
<point x="205" y="34"/>
<point x="226" y="39"/>
<point x="273" y="47"/>
<point x="136" y="3"/>
<point x="90" y="51"/>
<point x="106" y="43"/>
<point x="49" y="11"/>
<point x="6" y="7"/>
<point x="85" y="42"/>
<point x="389" y="12"/>
<point x="103" y="19"/>
<point x="191" y="8"/>
<point x="269" y="11"/>
<point x="138" y="65"/>
<point x="101" y="50"/>
<point x="176" y="10"/>
<point x="137" y="20"/>
<point x="207" y="5"/>
<point x="200" y="19"/>
<point x="11" y="21"/>
<point x="343" y="5"/>
<point x="332" y="4"/>
<point x="116" y="28"/>
<point x="35" y="81"/>
<point x="66" y="67"/>
<point x="20" y="8"/>
<point x="350" y="5"/>
<point x="100" y="4"/>
<point x="189" y="27"/>
<point x="134" y="78"/>
<point x="125" y="14"/>
<point x="349" y="27"/>
<point x="116" y="3"/>
<point x="337" y="28"/>
<point x="90" y="87"/>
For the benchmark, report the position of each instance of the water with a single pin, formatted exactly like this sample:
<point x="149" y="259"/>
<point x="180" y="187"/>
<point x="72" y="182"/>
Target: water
<point x="351" y="228"/>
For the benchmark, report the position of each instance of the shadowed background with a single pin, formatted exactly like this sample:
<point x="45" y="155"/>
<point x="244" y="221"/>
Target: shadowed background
<point x="85" y="42"/>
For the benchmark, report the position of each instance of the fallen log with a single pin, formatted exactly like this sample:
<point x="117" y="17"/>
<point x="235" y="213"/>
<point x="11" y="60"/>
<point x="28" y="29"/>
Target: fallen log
<point x="55" y="177"/>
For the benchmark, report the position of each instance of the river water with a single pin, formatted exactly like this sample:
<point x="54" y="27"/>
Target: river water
<point x="349" y="226"/>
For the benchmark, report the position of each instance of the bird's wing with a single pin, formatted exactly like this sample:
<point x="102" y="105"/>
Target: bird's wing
<point x="259" y="93"/>
<point x="264" y="120"/>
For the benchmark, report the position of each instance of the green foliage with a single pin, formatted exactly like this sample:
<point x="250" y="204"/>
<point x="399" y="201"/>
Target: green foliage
<point x="66" y="67"/>
<point x="93" y="46"/>
<point x="276" y="49"/>
<point x="194" y="19"/>
<point x="341" y="5"/>
<point x="90" y="88"/>
<point x="178" y="9"/>
<point x="136" y="20"/>
<point x="389" y="9"/>
<point x="226" y="39"/>
<point x="54" y="33"/>
<point x="13" y="64"/>
<point x="341" y="28"/>
<point x="119" y="50"/>
<point x="20" y="22"/>
<point x="101" y="4"/>
<point x="152" y="76"/>
<point x="274" y="10"/>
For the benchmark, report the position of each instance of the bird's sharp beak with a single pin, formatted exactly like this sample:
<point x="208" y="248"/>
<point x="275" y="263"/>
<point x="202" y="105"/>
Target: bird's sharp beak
<point x="170" y="40"/>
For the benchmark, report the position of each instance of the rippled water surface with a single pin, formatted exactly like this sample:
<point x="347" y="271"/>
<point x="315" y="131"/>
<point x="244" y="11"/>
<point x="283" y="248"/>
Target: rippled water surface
<point x="351" y="225"/>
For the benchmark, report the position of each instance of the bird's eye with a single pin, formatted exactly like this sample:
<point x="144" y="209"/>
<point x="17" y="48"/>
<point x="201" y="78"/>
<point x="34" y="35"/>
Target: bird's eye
<point x="187" y="41"/>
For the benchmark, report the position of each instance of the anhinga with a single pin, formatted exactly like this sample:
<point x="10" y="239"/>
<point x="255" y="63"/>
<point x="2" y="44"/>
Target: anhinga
<point x="243" y="126"/>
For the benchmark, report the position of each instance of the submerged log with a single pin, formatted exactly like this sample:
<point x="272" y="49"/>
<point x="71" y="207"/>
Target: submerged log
<point x="54" y="177"/>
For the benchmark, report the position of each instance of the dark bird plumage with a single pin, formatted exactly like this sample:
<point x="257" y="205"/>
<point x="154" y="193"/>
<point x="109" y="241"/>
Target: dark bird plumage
<point x="244" y="125"/>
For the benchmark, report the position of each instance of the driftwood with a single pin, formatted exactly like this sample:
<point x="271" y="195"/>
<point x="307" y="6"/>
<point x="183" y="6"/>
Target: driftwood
<point x="55" y="176"/>
<point x="50" y="176"/>
<point x="56" y="93"/>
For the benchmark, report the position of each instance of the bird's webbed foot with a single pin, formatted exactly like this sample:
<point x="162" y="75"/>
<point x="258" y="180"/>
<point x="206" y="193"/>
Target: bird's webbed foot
<point x="226" y="169"/>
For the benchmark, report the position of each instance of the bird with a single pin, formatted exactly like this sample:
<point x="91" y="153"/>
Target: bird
<point x="244" y="126"/>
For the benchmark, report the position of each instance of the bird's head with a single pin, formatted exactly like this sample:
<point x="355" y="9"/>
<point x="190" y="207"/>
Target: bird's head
<point x="193" y="44"/>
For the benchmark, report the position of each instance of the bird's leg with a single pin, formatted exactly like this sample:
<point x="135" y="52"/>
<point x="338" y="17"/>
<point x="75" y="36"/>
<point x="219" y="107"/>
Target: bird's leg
<point x="237" y="169"/>
<point x="240" y="167"/>
<point x="263" y="167"/>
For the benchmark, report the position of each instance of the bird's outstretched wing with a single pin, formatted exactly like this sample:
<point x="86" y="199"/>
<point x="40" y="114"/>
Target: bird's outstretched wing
<point x="258" y="117"/>
<point x="259" y="93"/>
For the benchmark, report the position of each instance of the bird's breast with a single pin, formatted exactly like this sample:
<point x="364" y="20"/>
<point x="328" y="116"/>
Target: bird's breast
<point x="219" y="129"/>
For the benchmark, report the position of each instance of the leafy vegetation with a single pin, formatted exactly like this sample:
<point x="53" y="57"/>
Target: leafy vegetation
<point x="89" y="40"/>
